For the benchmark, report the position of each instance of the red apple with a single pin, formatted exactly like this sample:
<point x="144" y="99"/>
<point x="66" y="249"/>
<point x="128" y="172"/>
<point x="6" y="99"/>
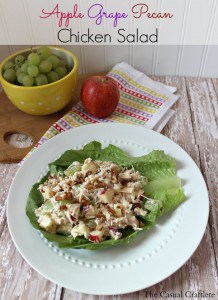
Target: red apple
<point x="96" y="236"/>
<point x="100" y="96"/>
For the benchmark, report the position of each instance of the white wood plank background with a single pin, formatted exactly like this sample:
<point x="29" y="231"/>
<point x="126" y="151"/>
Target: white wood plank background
<point x="194" y="127"/>
<point x="190" y="61"/>
<point x="193" y="20"/>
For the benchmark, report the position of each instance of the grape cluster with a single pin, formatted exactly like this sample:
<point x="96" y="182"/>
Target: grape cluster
<point x="39" y="68"/>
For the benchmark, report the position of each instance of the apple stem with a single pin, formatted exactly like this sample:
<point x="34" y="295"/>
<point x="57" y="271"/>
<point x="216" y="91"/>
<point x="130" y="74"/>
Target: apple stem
<point x="103" y="79"/>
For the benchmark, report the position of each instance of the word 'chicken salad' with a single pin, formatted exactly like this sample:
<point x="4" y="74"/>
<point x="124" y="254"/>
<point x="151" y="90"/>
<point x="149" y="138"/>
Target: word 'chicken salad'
<point x="95" y="198"/>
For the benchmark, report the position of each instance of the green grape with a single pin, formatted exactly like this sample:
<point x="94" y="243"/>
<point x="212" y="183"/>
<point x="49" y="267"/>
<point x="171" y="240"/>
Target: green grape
<point x="19" y="59"/>
<point x="18" y="71"/>
<point x="72" y="169"/>
<point x="24" y="67"/>
<point x="33" y="70"/>
<point x="52" y="76"/>
<point x="39" y="68"/>
<point x="20" y="77"/>
<point x="45" y="66"/>
<point x="16" y="67"/>
<point x="44" y="52"/>
<point x="8" y="65"/>
<point x="54" y="60"/>
<point x="33" y="59"/>
<point x="28" y="80"/>
<point x="41" y="79"/>
<point x="9" y="75"/>
<point x="62" y="63"/>
<point x="61" y="71"/>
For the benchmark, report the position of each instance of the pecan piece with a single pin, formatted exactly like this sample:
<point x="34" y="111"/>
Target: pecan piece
<point x="84" y="201"/>
<point x="58" y="198"/>
<point x="67" y="196"/>
<point x="111" y="211"/>
<point x="63" y="207"/>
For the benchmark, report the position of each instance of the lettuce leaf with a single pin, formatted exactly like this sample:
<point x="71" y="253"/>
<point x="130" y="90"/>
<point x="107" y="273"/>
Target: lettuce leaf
<point x="163" y="186"/>
<point x="167" y="190"/>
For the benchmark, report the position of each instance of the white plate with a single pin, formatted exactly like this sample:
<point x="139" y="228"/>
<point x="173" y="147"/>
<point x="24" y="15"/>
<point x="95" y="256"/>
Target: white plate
<point x="150" y="258"/>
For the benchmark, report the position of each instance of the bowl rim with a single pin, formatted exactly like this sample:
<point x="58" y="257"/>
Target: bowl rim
<point x="5" y="82"/>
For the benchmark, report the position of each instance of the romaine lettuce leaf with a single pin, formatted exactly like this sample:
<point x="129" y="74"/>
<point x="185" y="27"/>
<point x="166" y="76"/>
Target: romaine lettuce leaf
<point x="167" y="190"/>
<point x="163" y="186"/>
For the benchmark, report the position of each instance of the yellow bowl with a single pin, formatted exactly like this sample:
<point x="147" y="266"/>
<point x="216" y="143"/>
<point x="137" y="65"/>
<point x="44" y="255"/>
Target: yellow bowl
<point x="44" y="99"/>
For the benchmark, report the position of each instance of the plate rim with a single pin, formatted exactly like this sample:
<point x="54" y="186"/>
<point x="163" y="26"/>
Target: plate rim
<point x="45" y="145"/>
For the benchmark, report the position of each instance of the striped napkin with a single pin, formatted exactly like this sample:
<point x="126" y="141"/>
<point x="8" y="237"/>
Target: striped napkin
<point x="143" y="102"/>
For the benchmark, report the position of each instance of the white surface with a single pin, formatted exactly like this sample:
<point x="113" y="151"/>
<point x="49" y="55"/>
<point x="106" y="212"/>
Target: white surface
<point x="151" y="60"/>
<point x="150" y="258"/>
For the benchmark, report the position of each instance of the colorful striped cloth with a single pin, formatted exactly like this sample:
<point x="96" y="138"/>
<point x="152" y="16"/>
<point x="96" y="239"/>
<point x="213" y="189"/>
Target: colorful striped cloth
<point x="143" y="102"/>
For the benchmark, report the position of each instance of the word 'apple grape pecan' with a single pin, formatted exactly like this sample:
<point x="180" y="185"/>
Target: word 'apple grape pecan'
<point x="95" y="198"/>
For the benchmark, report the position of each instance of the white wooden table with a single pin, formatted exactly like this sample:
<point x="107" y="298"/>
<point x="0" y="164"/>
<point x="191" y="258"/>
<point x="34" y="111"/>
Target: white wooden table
<point x="194" y="128"/>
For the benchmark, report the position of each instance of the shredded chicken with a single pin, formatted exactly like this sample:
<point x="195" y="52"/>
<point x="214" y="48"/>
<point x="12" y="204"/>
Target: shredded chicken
<point x="94" y="199"/>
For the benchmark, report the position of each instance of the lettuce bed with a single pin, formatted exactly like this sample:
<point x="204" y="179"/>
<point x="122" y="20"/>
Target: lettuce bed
<point x="163" y="186"/>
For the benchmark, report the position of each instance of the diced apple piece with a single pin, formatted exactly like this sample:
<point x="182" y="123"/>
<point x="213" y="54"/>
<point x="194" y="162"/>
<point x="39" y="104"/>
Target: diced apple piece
<point x="46" y="222"/>
<point x="118" y="211"/>
<point x="115" y="233"/>
<point x="74" y="209"/>
<point x="47" y="206"/>
<point x="96" y="236"/>
<point x="90" y="166"/>
<point x="106" y="196"/>
<point x="90" y="211"/>
<point x="79" y="230"/>
<point x="47" y="193"/>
